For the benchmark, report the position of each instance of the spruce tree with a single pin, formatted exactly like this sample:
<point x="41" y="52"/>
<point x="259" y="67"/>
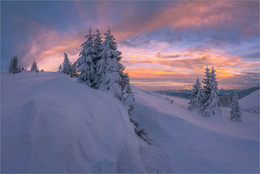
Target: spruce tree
<point x="210" y="102"/>
<point x="60" y="68"/>
<point x="73" y="71"/>
<point x="97" y="45"/>
<point x="206" y="87"/>
<point x="235" y="109"/>
<point x="85" y="64"/>
<point x="109" y="59"/>
<point x="15" y="65"/>
<point x="66" y="66"/>
<point x="127" y="93"/>
<point x="34" y="67"/>
<point x="196" y="96"/>
<point x="13" y="68"/>
<point x="110" y="72"/>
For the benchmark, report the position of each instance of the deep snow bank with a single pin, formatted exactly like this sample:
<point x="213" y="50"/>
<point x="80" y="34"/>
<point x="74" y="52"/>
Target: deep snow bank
<point x="52" y="124"/>
<point x="251" y="102"/>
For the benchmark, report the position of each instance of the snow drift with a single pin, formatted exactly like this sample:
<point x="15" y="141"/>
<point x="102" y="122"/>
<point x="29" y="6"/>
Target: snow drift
<point x="50" y="123"/>
<point x="250" y="102"/>
<point x="194" y="143"/>
<point x="53" y="124"/>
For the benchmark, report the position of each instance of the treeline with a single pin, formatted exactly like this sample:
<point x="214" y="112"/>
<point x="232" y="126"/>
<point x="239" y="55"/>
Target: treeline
<point x="15" y="68"/>
<point x="205" y="100"/>
<point x="225" y="95"/>
<point x="99" y="67"/>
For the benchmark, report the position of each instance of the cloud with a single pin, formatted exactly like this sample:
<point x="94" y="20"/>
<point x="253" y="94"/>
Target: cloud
<point x="161" y="55"/>
<point x="167" y="42"/>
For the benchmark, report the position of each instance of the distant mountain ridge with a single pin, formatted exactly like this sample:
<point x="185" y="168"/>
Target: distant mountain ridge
<point x="225" y="95"/>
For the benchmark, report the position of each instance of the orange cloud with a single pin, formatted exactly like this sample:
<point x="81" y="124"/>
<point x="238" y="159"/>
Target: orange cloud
<point x="150" y="73"/>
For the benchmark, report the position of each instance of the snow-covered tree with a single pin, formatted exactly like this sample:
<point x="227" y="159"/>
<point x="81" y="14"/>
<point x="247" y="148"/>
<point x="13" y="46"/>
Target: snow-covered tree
<point x="206" y="86"/>
<point x="60" y="68"/>
<point x="210" y="102"/>
<point x="13" y="68"/>
<point x="66" y="66"/>
<point x="196" y="96"/>
<point x="85" y="64"/>
<point x="127" y="93"/>
<point x="109" y="59"/>
<point x="110" y="72"/>
<point x="73" y="71"/>
<point x="34" y="67"/>
<point x="235" y="109"/>
<point x="97" y="45"/>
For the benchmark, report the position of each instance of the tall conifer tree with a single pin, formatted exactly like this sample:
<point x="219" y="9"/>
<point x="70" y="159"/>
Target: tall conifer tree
<point x="85" y="64"/>
<point x="110" y="72"/>
<point x="196" y="96"/>
<point x="34" y="67"/>
<point x="211" y="104"/>
<point x="66" y="66"/>
<point x="235" y="109"/>
<point x="13" y="68"/>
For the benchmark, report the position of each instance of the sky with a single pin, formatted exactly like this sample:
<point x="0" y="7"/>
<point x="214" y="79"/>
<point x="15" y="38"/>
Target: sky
<point x="165" y="44"/>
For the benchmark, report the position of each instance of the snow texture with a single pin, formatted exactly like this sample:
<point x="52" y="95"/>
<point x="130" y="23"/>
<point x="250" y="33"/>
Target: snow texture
<point x="251" y="102"/>
<point x="50" y="123"/>
<point x="53" y="124"/>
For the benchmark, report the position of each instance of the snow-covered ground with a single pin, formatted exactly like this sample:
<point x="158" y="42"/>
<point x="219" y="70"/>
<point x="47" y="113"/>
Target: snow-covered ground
<point x="50" y="123"/>
<point x="250" y="103"/>
<point x="193" y="143"/>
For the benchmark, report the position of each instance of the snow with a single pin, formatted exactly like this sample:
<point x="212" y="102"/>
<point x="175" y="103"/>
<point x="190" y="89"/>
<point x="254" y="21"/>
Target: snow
<point x="251" y="102"/>
<point x="50" y="123"/>
<point x="194" y="143"/>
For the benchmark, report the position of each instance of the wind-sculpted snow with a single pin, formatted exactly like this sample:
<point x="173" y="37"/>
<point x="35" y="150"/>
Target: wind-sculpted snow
<point x="50" y="123"/>
<point x="58" y="125"/>
<point x="251" y="102"/>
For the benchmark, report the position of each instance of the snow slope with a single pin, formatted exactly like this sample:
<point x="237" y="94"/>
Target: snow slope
<point x="194" y="143"/>
<point x="52" y="124"/>
<point x="250" y="102"/>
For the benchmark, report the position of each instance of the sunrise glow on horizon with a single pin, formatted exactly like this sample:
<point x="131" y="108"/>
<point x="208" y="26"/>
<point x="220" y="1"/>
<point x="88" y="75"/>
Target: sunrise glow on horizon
<point x="165" y="45"/>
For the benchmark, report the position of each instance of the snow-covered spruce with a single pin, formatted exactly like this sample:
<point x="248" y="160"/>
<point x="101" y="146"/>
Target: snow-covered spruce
<point x="206" y="88"/>
<point x="85" y="64"/>
<point x="97" y="41"/>
<point x="196" y="96"/>
<point x="108" y="51"/>
<point x="127" y="93"/>
<point x="235" y="109"/>
<point x="14" y="66"/>
<point x="34" y="67"/>
<point x="211" y="104"/>
<point x="73" y="70"/>
<point x="60" y="68"/>
<point x="110" y="72"/>
<point x="66" y="66"/>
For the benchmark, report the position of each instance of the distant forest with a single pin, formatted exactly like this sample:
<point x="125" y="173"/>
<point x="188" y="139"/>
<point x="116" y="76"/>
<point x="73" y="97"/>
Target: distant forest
<point x="225" y="96"/>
